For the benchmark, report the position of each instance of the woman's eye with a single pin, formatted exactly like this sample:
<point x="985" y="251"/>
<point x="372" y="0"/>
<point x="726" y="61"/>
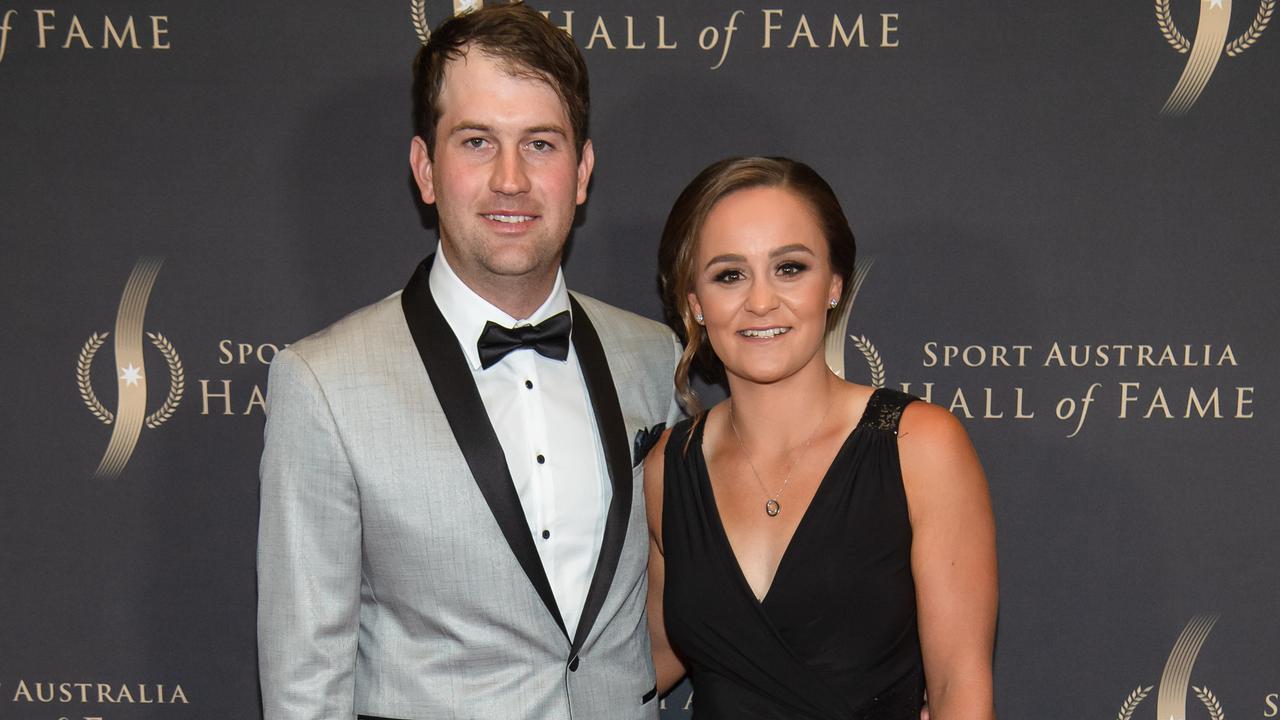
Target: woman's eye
<point x="792" y="268"/>
<point x="728" y="276"/>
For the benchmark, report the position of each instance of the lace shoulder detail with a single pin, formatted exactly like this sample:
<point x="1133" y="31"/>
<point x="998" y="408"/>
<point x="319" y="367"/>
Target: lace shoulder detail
<point x="884" y="409"/>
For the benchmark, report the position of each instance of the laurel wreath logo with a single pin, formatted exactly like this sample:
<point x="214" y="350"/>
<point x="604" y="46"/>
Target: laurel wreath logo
<point x="177" y="379"/>
<point x="1250" y="36"/>
<point x="418" y="13"/>
<point x="83" y="365"/>
<point x="1210" y="702"/>
<point x="1131" y="703"/>
<point x="874" y="361"/>
<point x="1207" y="698"/>
<point x="1164" y="19"/>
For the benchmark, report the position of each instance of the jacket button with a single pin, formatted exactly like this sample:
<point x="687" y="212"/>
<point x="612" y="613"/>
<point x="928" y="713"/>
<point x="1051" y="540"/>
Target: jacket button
<point x="573" y="664"/>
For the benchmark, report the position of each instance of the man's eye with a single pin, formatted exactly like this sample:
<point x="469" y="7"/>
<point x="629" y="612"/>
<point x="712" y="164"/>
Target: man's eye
<point x="474" y="143"/>
<point x="728" y="276"/>
<point x="792" y="268"/>
<point x="541" y="146"/>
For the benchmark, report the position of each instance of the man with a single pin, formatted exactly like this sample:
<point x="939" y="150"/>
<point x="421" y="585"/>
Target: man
<point x="452" y="521"/>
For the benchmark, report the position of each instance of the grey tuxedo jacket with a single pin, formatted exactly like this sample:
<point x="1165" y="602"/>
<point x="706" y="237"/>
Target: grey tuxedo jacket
<point x="397" y="577"/>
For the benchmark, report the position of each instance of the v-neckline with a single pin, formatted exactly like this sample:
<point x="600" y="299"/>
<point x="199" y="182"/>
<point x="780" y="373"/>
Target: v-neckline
<point x="713" y="507"/>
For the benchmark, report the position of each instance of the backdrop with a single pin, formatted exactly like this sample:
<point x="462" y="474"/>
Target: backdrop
<point x="1068" y="212"/>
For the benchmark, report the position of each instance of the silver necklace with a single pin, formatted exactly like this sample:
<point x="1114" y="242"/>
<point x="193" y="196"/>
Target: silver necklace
<point x="773" y="507"/>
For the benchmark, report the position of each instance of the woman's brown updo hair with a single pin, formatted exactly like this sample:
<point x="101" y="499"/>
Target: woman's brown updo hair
<point x="678" y="250"/>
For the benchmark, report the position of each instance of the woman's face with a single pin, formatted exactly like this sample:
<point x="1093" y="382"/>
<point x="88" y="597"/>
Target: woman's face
<point x="764" y="283"/>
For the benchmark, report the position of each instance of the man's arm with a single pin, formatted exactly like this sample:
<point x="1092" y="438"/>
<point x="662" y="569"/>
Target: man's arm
<point x="675" y="413"/>
<point x="308" y="554"/>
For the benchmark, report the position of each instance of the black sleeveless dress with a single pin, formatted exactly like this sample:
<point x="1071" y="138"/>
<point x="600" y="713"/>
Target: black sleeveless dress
<point x="835" y="638"/>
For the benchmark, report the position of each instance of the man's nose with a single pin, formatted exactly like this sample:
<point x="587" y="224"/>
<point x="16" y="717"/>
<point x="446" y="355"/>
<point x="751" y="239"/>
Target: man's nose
<point x="509" y="173"/>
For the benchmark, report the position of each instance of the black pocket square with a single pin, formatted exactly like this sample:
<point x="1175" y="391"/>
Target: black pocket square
<point x="646" y="438"/>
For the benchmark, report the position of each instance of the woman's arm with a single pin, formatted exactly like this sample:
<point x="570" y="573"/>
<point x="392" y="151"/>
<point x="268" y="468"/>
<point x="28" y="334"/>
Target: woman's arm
<point x="668" y="667"/>
<point x="953" y="559"/>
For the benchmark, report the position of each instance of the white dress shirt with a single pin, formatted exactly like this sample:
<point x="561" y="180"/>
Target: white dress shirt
<point x="542" y="415"/>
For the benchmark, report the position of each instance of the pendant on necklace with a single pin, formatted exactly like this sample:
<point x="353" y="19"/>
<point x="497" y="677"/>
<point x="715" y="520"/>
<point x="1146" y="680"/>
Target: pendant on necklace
<point x="772" y="508"/>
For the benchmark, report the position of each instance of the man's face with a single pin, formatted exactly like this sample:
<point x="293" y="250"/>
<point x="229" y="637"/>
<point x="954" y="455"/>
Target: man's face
<point x="505" y="178"/>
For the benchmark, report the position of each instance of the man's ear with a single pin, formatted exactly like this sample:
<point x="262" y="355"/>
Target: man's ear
<point x="420" y="164"/>
<point x="585" y="165"/>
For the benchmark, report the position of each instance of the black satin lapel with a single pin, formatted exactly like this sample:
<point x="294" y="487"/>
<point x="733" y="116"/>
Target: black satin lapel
<point x="456" y="390"/>
<point x="617" y="455"/>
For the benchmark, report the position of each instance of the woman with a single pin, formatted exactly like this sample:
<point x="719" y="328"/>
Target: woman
<point x="820" y="550"/>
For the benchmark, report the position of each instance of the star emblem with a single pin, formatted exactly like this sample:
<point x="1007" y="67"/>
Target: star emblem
<point x="1215" y="4"/>
<point x="130" y="375"/>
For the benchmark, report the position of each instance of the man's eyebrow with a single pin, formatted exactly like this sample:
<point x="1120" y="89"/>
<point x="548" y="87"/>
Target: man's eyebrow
<point x="554" y="129"/>
<point x="469" y="126"/>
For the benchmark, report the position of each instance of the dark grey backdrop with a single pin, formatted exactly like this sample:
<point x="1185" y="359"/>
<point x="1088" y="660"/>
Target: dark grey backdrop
<point x="1005" y="167"/>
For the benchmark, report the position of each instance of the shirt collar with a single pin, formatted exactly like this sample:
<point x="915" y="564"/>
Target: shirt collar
<point x="466" y="312"/>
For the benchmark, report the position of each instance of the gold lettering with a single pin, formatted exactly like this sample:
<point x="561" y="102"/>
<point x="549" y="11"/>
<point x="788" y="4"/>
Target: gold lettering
<point x="22" y="691"/>
<point x="802" y="28"/>
<point x="40" y="694"/>
<point x="224" y="349"/>
<point x="109" y="32"/>
<point x="1193" y="399"/>
<point x="1158" y="401"/>
<point x="1272" y="708"/>
<point x="931" y="357"/>
<point x="256" y="398"/>
<point x="770" y="26"/>
<point x="1055" y="355"/>
<point x="1017" y="404"/>
<point x="600" y="32"/>
<point x="631" y="40"/>
<point x="1167" y="356"/>
<point x="1126" y="398"/>
<point x="838" y="28"/>
<point x="958" y="401"/>
<point x="178" y="696"/>
<point x="124" y="693"/>
<point x="1227" y="357"/>
<point x="988" y="414"/>
<point x="76" y="31"/>
<point x="662" y="35"/>
<point x="104" y="693"/>
<point x="567" y="27"/>
<point x="888" y="25"/>
<point x="1144" y="355"/>
<point x="1241" y="401"/>
<point x="4" y="31"/>
<point x="40" y="18"/>
<point x="159" y="28"/>
<point x="928" y="390"/>
<point x="225" y="395"/>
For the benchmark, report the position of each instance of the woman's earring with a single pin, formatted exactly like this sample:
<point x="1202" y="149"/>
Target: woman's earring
<point x="834" y="303"/>
<point x="698" y="317"/>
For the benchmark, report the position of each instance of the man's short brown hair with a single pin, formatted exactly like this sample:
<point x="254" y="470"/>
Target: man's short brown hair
<point x="523" y="41"/>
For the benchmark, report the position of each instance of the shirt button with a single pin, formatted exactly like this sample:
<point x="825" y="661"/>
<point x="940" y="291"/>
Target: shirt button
<point x="528" y="384"/>
<point x="541" y="460"/>
<point x="573" y="664"/>
<point x="546" y="534"/>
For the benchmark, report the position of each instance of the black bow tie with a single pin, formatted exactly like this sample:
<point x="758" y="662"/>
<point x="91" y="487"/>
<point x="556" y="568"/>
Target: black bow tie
<point x="550" y="338"/>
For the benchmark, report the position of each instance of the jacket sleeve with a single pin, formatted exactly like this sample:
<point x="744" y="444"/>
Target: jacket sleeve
<point x="308" y="553"/>
<point x="675" y="412"/>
